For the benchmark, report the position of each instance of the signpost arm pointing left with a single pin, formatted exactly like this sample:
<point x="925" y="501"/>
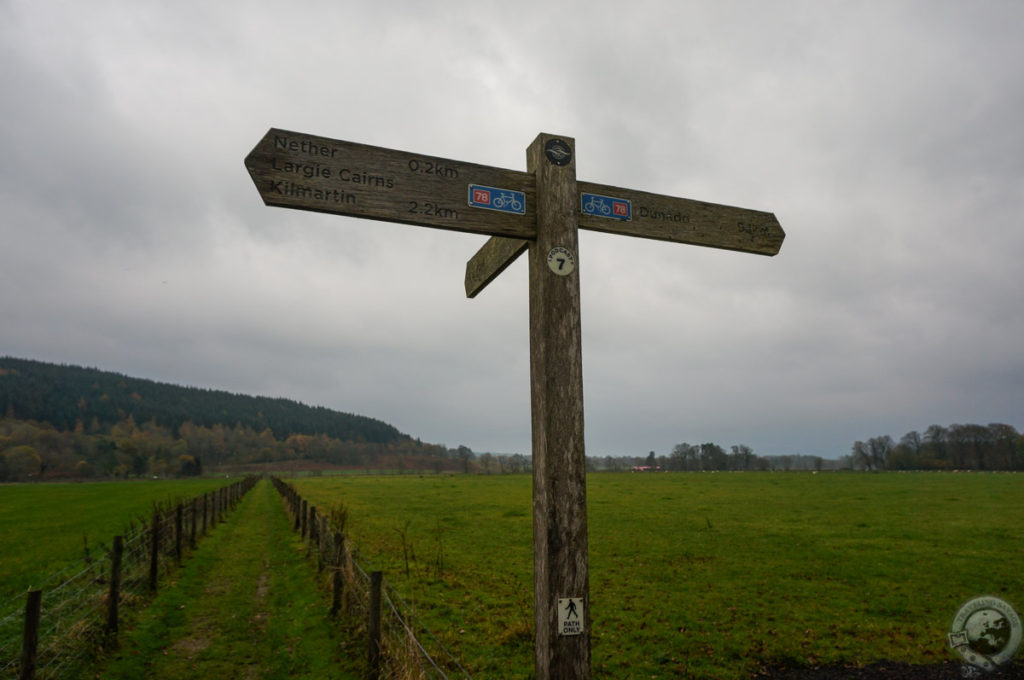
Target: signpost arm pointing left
<point x="295" y="170"/>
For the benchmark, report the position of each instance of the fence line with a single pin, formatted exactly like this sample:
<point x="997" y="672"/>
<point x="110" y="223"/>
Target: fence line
<point x="403" y="651"/>
<point x="77" y="617"/>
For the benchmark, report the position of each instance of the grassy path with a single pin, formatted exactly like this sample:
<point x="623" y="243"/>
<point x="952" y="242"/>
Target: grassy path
<point x="245" y="606"/>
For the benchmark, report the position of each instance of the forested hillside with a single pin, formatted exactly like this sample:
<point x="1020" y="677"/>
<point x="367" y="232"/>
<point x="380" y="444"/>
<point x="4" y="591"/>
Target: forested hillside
<point x="71" y="422"/>
<point x="67" y="395"/>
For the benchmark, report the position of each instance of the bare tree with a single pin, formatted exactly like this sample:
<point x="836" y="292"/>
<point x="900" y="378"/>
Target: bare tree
<point x="860" y="456"/>
<point x="879" y="448"/>
<point x="742" y="456"/>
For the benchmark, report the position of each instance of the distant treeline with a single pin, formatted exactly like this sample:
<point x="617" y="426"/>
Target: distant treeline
<point x="30" y="450"/>
<point x="65" y="396"/>
<point x="957" y="447"/>
<point x="705" y="458"/>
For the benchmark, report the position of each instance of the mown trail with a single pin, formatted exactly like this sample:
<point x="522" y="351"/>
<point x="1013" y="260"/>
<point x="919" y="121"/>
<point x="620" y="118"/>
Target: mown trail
<point x="245" y="606"/>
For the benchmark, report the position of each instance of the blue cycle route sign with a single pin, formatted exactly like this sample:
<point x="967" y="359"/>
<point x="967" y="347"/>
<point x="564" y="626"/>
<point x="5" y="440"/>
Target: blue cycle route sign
<point x="606" y="206"/>
<point x="502" y="200"/>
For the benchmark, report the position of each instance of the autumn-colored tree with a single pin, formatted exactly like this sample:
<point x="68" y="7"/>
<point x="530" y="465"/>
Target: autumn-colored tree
<point x="22" y="462"/>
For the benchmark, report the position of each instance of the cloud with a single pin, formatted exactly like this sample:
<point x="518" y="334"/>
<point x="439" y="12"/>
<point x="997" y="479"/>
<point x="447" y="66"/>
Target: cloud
<point x="885" y="138"/>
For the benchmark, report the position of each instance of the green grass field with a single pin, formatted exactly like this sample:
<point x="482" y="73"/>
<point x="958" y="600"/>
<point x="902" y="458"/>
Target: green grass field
<point x="700" y="575"/>
<point x="45" y="528"/>
<point x="246" y="605"/>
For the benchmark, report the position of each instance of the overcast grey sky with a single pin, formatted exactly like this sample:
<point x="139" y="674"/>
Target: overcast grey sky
<point x="887" y="137"/>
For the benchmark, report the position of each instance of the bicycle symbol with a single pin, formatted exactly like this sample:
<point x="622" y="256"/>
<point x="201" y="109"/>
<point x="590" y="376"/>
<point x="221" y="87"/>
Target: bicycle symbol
<point x="596" y="205"/>
<point x="507" y="201"/>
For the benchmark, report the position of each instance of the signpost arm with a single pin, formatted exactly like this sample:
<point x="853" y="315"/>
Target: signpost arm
<point x="490" y="261"/>
<point x="556" y="384"/>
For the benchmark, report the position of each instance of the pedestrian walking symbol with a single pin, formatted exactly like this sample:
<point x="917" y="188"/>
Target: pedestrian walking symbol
<point x="570" y="616"/>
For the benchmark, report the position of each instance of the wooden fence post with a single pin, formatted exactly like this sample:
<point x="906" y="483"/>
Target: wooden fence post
<point x="337" y="578"/>
<point x="373" y="627"/>
<point x="30" y="637"/>
<point x="304" y="511"/>
<point x="314" y="541"/>
<point x="154" y="550"/>
<point x="322" y="534"/>
<point x="178" y="512"/>
<point x="195" y="520"/>
<point x="115" y="584"/>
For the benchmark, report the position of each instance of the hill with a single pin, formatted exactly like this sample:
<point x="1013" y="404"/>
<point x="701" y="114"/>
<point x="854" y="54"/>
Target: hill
<point x="59" y="421"/>
<point x="65" y="395"/>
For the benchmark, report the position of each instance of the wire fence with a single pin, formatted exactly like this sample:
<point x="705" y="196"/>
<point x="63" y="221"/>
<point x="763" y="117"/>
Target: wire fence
<point x="408" y="649"/>
<point x="77" y="616"/>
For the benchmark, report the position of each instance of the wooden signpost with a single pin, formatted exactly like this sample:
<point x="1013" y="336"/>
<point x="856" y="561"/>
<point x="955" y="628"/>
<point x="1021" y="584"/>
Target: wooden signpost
<point x="538" y="211"/>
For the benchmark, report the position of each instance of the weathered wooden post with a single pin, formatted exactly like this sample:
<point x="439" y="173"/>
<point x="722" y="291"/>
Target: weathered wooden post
<point x="305" y="512"/>
<point x="178" y="522"/>
<point x="30" y="635"/>
<point x="373" y="627"/>
<point x="114" y="594"/>
<point x="323" y="534"/>
<point x="313" y="526"/>
<point x="537" y="211"/>
<point x="154" y="551"/>
<point x="195" y="521"/>
<point x="556" y="388"/>
<point x="337" y="576"/>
